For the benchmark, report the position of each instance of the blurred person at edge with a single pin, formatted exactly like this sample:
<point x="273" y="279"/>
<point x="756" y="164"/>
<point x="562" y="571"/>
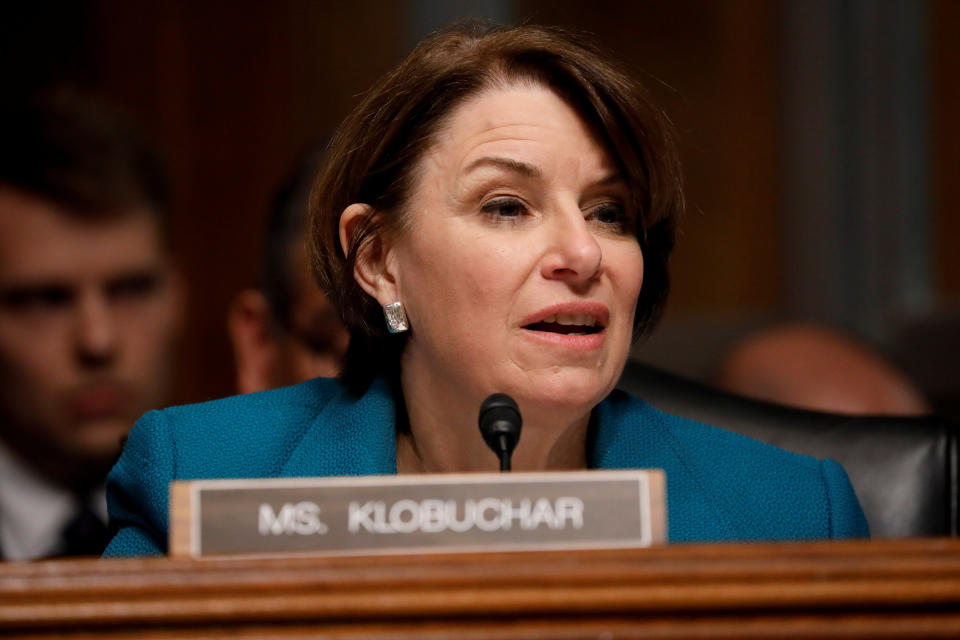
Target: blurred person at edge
<point x="812" y="366"/>
<point x="496" y="215"/>
<point x="286" y="331"/>
<point x="89" y="309"/>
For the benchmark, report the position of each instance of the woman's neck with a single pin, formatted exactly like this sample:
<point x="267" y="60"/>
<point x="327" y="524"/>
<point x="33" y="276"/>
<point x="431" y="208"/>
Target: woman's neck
<point x="444" y="436"/>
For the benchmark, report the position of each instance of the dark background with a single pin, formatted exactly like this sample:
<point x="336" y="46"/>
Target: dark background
<point x="819" y="139"/>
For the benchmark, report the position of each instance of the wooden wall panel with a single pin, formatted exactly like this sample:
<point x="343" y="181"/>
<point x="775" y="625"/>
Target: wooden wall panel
<point x="945" y="130"/>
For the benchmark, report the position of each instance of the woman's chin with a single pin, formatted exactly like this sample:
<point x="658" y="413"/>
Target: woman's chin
<point x="567" y="389"/>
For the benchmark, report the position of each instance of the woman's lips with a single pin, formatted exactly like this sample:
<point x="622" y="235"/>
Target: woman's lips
<point x="573" y="325"/>
<point x="575" y="341"/>
<point x="598" y="313"/>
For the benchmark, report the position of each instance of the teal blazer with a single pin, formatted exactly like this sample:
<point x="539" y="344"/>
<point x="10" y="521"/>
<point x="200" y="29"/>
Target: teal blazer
<point x="720" y="485"/>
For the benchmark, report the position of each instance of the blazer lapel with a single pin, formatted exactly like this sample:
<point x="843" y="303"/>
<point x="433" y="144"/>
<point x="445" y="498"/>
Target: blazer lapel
<point x="630" y="434"/>
<point x="350" y="436"/>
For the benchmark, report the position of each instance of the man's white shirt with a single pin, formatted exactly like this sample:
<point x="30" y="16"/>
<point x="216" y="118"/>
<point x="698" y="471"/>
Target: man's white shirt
<point x="34" y="511"/>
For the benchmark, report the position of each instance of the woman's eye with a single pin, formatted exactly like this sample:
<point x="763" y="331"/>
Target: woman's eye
<point x="610" y="214"/>
<point x="505" y="208"/>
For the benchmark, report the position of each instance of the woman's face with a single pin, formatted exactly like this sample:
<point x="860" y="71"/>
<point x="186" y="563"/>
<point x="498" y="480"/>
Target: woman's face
<point x="519" y="269"/>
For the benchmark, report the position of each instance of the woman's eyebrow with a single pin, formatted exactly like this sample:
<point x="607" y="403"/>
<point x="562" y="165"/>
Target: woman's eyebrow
<point x="516" y="166"/>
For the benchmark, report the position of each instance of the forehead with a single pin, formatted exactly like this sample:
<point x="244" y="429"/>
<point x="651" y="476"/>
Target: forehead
<point x="526" y="116"/>
<point x="40" y="241"/>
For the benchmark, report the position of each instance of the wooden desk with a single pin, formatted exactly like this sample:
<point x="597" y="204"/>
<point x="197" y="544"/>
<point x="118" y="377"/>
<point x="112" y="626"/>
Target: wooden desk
<point x="883" y="589"/>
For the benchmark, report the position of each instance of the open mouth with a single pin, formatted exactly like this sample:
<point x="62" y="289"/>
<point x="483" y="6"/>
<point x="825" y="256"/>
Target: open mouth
<point x="567" y="324"/>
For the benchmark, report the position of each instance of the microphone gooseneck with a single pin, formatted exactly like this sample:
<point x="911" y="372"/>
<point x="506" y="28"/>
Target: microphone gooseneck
<point x="500" y="424"/>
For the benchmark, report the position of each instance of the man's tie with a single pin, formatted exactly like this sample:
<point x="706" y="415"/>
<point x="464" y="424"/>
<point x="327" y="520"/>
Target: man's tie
<point x="85" y="534"/>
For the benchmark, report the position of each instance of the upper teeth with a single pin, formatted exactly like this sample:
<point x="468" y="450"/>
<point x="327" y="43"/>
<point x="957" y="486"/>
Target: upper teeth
<point x="569" y="318"/>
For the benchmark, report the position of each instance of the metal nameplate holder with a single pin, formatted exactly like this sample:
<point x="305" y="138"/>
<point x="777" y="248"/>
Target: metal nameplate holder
<point x="438" y="513"/>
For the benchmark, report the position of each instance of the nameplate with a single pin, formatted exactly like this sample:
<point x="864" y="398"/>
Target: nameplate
<point x="437" y="513"/>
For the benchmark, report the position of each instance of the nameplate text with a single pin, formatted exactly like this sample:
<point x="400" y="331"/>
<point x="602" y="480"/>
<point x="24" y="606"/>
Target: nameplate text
<point x="415" y="514"/>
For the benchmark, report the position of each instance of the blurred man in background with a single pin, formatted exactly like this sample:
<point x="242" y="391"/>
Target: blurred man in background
<point x="89" y="310"/>
<point x="810" y="366"/>
<point x="286" y="331"/>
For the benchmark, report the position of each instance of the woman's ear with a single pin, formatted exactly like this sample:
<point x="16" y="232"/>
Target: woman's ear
<point x="372" y="269"/>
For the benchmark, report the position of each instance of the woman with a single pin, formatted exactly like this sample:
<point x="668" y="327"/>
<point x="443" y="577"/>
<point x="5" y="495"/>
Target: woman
<point x="505" y="199"/>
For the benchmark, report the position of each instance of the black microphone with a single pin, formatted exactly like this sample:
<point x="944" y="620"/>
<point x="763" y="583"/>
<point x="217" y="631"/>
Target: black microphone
<point x="500" y="424"/>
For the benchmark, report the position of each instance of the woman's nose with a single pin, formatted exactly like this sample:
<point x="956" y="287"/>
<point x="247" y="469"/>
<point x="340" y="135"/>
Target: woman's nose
<point x="96" y="339"/>
<point x="574" y="254"/>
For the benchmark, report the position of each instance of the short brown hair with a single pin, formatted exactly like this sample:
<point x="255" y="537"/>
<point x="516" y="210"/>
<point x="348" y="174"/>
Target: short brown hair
<point x="372" y="158"/>
<point x="83" y="154"/>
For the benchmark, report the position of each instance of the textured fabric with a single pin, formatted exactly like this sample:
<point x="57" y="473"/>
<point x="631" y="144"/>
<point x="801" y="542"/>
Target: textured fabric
<point x="720" y="485"/>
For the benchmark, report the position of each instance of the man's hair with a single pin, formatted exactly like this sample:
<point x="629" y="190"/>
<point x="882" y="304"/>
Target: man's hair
<point x="372" y="159"/>
<point x="80" y="154"/>
<point x="286" y="229"/>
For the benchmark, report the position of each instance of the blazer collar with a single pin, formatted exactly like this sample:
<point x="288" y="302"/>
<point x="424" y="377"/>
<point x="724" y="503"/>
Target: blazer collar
<point x="630" y="434"/>
<point x="357" y="436"/>
<point x="349" y="436"/>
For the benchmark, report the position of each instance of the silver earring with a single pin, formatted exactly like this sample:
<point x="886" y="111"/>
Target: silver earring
<point x="396" y="317"/>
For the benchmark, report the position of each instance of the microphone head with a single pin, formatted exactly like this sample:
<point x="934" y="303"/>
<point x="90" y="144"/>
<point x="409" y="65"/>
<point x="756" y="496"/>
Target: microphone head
<point x="500" y="422"/>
